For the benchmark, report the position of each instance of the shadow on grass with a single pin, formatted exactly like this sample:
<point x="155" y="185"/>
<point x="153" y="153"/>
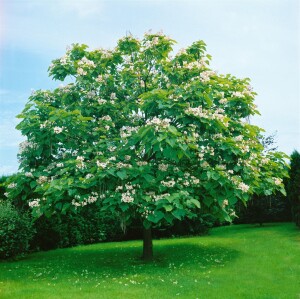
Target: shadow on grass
<point x="125" y="258"/>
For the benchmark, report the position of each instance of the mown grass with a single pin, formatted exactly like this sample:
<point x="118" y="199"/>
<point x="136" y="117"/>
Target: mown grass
<point x="241" y="261"/>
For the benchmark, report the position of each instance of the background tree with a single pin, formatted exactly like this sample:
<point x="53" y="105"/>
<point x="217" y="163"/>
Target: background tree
<point x="151" y="136"/>
<point x="293" y="186"/>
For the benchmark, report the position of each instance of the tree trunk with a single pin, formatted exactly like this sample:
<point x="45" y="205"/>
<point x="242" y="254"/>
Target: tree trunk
<point x="147" y="244"/>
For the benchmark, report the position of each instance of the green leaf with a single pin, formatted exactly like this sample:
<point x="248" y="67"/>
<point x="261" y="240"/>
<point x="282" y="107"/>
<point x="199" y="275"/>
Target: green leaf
<point x="122" y="174"/>
<point x="156" y="217"/>
<point x="33" y="184"/>
<point x="195" y="202"/>
<point x="168" y="208"/>
<point x="149" y="178"/>
<point x="179" y="214"/>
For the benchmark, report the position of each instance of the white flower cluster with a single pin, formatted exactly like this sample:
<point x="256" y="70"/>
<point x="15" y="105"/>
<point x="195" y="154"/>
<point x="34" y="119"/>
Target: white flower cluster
<point x="29" y="174"/>
<point x="225" y="203"/>
<point x="34" y="203"/>
<point x="195" y="64"/>
<point x="163" y="167"/>
<point x="238" y="138"/>
<point x="158" y="123"/>
<point x="113" y="96"/>
<point x="44" y="124"/>
<point x="265" y="160"/>
<point x="93" y="197"/>
<point x="277" y="181"/>
<point x="12" y="185"/>
<point x="81" y="71"/>
<point x="106" y="118"/>
<point x="142" y="163"/>
<point x="168" y="184"/>
<point x="238" y="94"/>
<point x="205" y="76"/>
<point x="100" y="79"/>
<point x="188" y="180"/>
<point x="80" y="162"/>
<point x="58" y="130"/>
<point x="123" y="165"/>
<point x="146" y="212"/>
<point x="112" y="148"/>
<point x="26" y="145"/>
<point x="223" y="101"/>
<point x="101" y="164"/>
<point x="157" y="197"/>
<point x="42" y="179"/>
<point x="128" y="192"/>
<point x="64" y="60"/>
<point x="200" y="112"/>
<point x="102" y="101"/>
<point x="243" y="187"/>
<point x="127" y="131"/>
<point x="84" y="62"/>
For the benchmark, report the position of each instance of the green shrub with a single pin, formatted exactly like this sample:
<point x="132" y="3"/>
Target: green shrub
<point x="85" y="227"/>
<point x="15" y="231"/>
<point x="293" y="187"/>
<point x="264" y="209"/>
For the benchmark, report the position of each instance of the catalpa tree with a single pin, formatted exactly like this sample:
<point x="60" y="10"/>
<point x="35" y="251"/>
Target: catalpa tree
<point x="147" y="135"/>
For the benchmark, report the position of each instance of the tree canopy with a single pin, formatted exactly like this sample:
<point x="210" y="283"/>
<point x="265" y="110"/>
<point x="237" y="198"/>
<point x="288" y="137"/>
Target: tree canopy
<point x="147" y="133"/>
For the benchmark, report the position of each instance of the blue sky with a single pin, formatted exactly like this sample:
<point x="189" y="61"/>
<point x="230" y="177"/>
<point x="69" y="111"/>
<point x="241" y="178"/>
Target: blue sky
<point x="258" y="39"/>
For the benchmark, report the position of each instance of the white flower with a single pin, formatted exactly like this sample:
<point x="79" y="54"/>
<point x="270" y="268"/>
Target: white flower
<point x="127" y="157"/>
<point x="113" y="96"/>
<point x="81" y="72"/>
<point x="243" y="187"/>
<point x="159" y="123"/>
<point x="34" y="203"/>
<point x="237" y="94"/>
<point x="86" y="63"/>
<point x="80" y="158"/>
<point x="42" y="179"/>
<point x="29" y="174"/>
<point x="277" y="181"/>
<point x="112" y="148"/>
<point x="126" y="197"/>
<point x="57" y="130"/>
<point x="205" y="76"/>
<point x="106" y="117"/>
<point x="59" y="165"/>
<point x="101" y="164"/>
<point x="101" y="101"/>
<point x="168" y="184"/>
<point x="64" y="60"/>
<point x="12" y="185"/>
<point x="163" y="167"/>
<point x="223" y="101"/>
<point x="100" y="79"/>
<point x="238" y="138"/>
<point x="225" y="203"/>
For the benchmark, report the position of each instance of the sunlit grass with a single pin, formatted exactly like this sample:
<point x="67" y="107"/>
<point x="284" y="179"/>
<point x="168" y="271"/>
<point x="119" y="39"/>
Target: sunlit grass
<point x="240" y="261"/>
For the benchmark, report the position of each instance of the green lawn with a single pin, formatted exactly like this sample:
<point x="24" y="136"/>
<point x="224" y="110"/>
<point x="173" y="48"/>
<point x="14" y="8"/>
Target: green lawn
<point x="241" y="261"/>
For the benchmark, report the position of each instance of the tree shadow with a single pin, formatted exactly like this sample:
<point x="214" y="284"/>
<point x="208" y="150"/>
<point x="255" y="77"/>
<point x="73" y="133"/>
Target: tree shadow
<point x="124" y="259"/>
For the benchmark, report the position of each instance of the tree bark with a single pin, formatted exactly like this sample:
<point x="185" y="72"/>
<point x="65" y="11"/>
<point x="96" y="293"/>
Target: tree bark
<point x="147" y="244"/>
